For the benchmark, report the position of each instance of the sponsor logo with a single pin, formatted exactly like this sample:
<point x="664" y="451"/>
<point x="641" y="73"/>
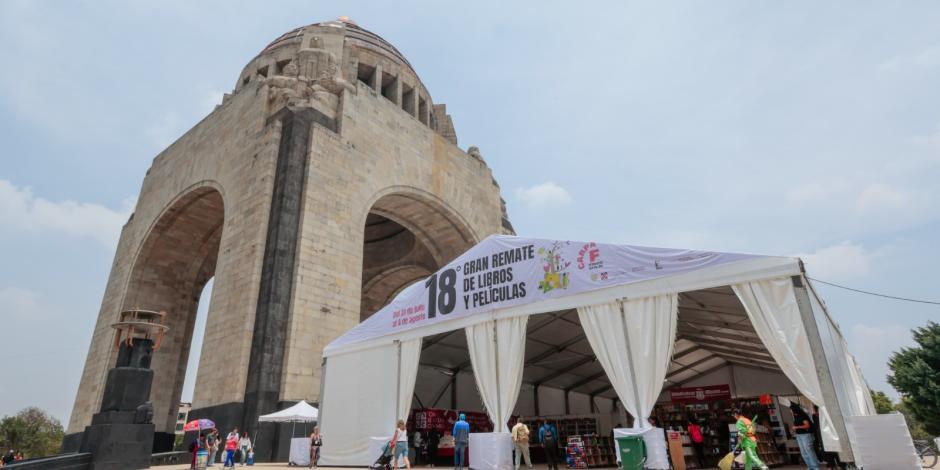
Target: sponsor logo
<point x="555" y="267"/>
<point x="589" y="257"/>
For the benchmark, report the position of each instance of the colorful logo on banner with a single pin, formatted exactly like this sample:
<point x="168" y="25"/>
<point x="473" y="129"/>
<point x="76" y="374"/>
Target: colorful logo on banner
<point x="589" y="258"/>
<point x="700" y="394"/>
<point x="555" y="267"/>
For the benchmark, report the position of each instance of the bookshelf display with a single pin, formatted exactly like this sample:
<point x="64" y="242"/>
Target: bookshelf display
<point x="718" y="428"/>
<point x="590" y="451"/>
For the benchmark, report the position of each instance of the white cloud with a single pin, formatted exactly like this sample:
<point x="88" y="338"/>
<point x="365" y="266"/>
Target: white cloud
<point x="21" y="210"/>
<point x="880" y="198"/>
<point x="842" y="261"/>
<point x="18" y="302"/>
<point x="544" y="195"/>
<point x="873" y="345"/>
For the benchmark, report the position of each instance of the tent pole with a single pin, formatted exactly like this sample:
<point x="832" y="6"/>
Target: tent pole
<point x="398" y="381"/>
<point x="499" y="419"/>
<point x="826" y="383"/>
<point x="639" y="422"/>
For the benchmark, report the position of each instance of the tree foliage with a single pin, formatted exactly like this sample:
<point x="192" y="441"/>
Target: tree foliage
<point x="883" y="404"/>
<point x="32" y="432"/>
<point x="916" y="375"/>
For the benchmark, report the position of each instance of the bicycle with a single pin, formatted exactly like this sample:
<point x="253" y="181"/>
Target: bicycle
<point x="926" y="452"/>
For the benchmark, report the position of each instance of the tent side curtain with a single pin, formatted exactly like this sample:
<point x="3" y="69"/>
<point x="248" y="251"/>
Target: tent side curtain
<point x="854" y="396"/>
<point x="350" y="419"/>
<point x="633" y="340"/>
<point x="497" y="353"/>
<point x="409" y="355"/>
<point x="773" y="310"/>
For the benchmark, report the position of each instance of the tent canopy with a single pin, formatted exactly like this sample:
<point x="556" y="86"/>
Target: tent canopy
<point x="302" y="412"/>
<point x="506" y="276"/>
<point x="726" y="310"/>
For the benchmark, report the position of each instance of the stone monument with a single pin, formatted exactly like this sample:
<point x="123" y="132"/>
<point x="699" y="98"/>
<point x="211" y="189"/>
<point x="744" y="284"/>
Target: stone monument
<point x="323" y="184"/>
<point x="121" y="433"/>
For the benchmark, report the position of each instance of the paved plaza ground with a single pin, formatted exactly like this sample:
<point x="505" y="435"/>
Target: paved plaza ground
<point x="284" y="465"/>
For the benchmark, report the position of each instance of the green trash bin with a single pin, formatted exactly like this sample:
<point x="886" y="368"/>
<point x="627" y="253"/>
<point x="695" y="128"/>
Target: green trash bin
<point x="632" y="452"/>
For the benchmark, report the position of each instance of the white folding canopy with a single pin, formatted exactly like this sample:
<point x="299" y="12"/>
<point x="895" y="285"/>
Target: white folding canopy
<point x="302" y="412"/>
<point x="641" y="309"/>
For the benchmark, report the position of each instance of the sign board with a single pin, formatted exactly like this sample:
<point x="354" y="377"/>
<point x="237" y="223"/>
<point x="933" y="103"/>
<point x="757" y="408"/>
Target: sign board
<point x="700" y="394"/>
<point x="504" y="271"/>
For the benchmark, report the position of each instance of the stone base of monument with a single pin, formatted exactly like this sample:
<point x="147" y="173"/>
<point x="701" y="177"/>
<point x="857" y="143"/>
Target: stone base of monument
<point x="121" y="434"/>
<point x="115" y="446"/>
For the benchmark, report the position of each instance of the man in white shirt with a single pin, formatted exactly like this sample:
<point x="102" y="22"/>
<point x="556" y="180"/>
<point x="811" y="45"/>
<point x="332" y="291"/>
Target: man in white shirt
<point x="520" y="441"/>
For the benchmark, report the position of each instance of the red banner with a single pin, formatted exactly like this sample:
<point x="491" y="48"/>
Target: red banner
<point x="700" y="394"/>
<point x="443" y="420"/>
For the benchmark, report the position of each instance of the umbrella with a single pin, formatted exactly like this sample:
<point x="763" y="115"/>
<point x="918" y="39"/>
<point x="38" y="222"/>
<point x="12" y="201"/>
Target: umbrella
<point x="198" y="425"/>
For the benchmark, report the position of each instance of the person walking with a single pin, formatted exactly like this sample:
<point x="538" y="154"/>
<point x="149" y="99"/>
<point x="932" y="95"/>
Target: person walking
<point x="244" y="445"/>
<point x="698" y="441"/>
<point x="231" y="445"/>
<point x="747" y="441"/>
<point x="520" y="441"/>
<point x="434" y="440"/>
<point x="461" y="435"/>
<point x="212" y="445"/>
<point x="803" y="428"/>
<point x="316" y="441"/>
<point x="400" y="444"/>
<point x="548" y="439"/>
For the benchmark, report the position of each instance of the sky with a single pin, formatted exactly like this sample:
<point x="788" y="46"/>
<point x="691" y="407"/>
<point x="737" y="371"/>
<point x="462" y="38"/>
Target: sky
<point x="784" y="128"/>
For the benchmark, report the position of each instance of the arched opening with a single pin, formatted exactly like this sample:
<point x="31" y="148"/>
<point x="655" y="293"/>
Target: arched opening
<point x="175" y="262"/>
<point x="406" y="238"/>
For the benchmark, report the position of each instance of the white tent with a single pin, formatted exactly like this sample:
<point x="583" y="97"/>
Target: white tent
<point x="646" y="317"/>
<point x="302" y="412"/>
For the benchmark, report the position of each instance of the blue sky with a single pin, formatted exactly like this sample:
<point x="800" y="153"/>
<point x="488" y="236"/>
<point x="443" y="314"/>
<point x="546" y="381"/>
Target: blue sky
<point x="792" y="128"/>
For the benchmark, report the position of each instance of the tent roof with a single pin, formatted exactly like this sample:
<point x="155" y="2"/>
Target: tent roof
<point x="629" y="271"/>
<point x="301" y="412"/>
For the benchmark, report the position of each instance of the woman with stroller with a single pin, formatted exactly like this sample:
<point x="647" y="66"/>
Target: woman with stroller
<point x="316" y="441"/>
<point x="400" y="444"/>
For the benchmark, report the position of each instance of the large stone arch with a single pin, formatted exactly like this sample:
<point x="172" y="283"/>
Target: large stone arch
<point x="174" y="262"/>
<point x="407" y="234"/>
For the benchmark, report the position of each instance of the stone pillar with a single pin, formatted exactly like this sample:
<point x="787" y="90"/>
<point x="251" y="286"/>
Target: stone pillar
<point x="377" y="79"/>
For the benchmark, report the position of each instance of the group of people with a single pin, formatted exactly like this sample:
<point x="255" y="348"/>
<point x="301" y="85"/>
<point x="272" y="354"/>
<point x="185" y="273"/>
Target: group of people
<point x="547" y="439"/>
<point x="233" y="444"/>
<point x="11" y="457"/>
<point x="803" y="428"/>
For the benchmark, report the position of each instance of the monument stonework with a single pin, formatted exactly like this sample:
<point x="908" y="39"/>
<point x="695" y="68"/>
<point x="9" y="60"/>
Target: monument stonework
<point x="325" y="183"/>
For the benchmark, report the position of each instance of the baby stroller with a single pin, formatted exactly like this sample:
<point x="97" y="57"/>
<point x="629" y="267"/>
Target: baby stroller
<point x="384" y="461"/>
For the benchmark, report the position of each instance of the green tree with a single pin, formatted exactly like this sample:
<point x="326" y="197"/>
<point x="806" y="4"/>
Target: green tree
<point x="916" y="374"/>
<point x="32" y="432"/>
<point x="883" y="404"/>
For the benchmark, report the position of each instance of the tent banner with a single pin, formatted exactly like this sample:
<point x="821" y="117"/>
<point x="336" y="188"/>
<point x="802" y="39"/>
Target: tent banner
<point x="700" y="394"/>
<point x="505" y="271"/>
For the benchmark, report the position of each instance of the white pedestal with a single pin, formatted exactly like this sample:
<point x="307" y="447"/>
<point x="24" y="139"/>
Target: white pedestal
<point x="299" y="451"/>
<point x="490" y="451"/>
<point x="657" y="456"/>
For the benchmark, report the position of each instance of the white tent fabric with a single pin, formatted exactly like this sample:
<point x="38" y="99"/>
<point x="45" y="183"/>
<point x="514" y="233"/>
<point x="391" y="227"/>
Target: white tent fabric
<point x="497" y="352"/>
<point x="633" y="340"/>
<point x="772" y="308"/>
<point x="409" y="354"/>
<point x="492" y="289"/>
<point x="358" y="402"/>
<point x="301" y="412"/>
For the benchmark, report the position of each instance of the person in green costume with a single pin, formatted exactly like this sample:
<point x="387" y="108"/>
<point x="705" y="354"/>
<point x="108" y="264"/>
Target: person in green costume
<point x="747" y="441"/>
